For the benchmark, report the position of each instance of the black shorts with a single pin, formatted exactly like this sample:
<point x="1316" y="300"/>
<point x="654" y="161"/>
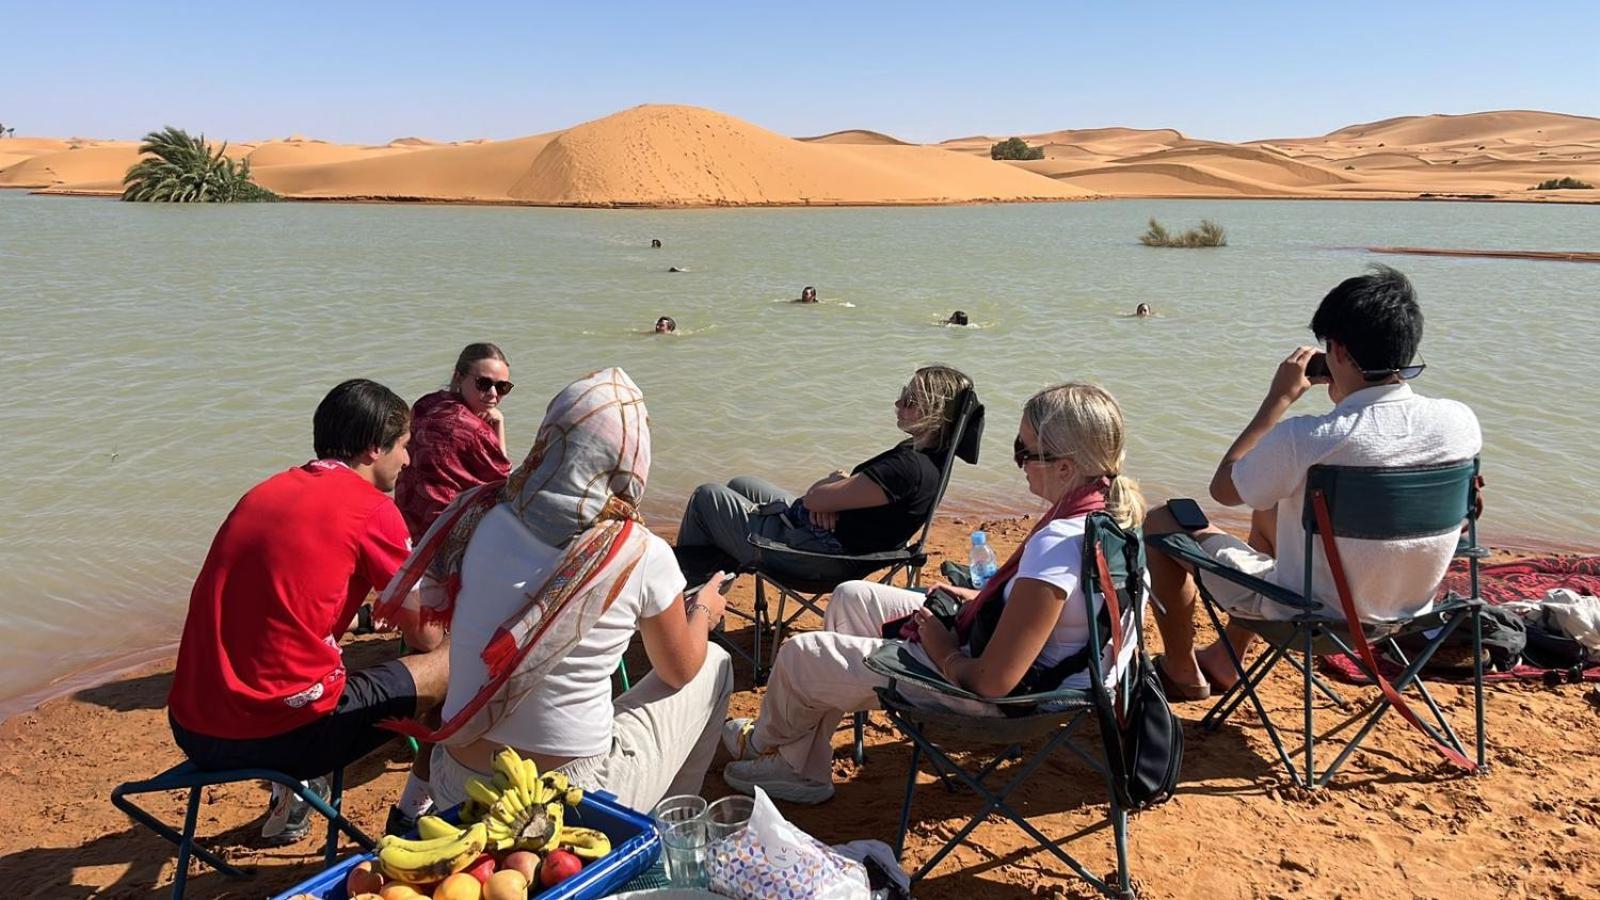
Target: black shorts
<point x="327" y="745"/>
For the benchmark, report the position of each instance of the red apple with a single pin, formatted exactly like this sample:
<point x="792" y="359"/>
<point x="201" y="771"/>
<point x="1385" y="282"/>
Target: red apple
<point x="482" y="868"/>
<point x="558" y="866"/>
<point x="524" y="861"/>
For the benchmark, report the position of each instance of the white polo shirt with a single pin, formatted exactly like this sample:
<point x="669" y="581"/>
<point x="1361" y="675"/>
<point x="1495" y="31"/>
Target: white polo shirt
<point x="1387" y="425"/>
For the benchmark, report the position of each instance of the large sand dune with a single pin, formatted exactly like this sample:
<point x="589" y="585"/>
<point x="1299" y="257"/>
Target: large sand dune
<point x="668" y="156"/>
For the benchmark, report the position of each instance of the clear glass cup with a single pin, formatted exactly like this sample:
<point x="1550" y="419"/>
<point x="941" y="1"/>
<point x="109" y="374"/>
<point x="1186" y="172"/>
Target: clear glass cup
<point x="727" y="817"/>
<point x="682" y="823"/>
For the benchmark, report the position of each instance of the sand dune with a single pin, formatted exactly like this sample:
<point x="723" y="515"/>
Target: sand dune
<point x="686" y="156"/>
<point x="856" y="136"/>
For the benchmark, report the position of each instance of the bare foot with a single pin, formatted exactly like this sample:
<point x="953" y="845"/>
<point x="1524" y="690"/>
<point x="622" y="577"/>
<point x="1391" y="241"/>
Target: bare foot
<point x="1213" y="663"/>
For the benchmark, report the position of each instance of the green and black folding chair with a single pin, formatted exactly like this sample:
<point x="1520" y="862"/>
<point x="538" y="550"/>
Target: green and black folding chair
<point x="806" y="577"/>
<point x="1364" y="503"/>
<point x="1057" y="718"/>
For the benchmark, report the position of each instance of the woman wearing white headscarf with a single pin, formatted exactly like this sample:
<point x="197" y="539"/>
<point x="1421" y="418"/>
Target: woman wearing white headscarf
<point x="542" y="581"/>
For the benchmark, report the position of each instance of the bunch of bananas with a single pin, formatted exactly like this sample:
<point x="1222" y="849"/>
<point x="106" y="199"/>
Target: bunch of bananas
<point x="430" y="859"/>
<point x="522" y="808"/>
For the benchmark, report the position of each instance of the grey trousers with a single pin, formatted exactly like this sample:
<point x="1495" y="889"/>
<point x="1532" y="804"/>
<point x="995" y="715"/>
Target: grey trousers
<point x="725" y="516"/>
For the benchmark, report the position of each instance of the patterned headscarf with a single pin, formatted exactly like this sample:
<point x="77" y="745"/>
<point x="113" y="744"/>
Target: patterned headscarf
<point x="579" y="489"/>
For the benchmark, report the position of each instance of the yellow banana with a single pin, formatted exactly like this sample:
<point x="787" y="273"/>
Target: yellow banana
<point x="507" y="763"/>
<point x="554" y="786"/>
<point x="433" y="827"/>
<point x="587" y="844"/>
<point x="479" y="790"/>
<point x="574" y="796"/>
<point x="416" y="844"/>
<point x="423" y="862"/>
<point x="529" y="783"/>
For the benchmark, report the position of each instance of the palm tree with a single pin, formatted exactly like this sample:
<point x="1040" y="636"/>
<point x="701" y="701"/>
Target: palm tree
<point x="176" y="167"/>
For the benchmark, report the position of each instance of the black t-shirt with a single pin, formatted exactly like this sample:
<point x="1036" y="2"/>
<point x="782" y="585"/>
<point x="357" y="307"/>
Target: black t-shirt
<point x="910" y="479"/>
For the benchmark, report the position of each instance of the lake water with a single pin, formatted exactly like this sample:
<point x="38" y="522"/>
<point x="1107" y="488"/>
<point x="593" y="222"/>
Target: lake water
<point x="158" y="361"/>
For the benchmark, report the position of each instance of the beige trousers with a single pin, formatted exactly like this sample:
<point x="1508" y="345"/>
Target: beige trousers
<point x="820" y="676"/>
<point x="662" y="742"/>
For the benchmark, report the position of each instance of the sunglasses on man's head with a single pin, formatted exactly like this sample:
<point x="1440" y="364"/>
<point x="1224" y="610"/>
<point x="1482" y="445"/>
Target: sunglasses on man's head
<point x="1406" y="373"/>
<point x="1022" y="455"/>
<point x="484" y="383"/>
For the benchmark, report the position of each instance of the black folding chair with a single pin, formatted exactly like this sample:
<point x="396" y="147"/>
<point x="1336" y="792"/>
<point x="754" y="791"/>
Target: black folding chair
<point x="1055" y="717"/>
<point x="806" y="577"/>
<point x="1369" y="504"/>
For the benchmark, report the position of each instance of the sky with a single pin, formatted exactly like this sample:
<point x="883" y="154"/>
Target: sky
<point x="371" y="72"/>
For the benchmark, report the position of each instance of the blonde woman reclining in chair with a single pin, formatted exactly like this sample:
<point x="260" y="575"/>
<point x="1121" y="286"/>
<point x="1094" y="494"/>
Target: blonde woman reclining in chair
<point x="878" y="506"/>
<point x="1070" y="448"/>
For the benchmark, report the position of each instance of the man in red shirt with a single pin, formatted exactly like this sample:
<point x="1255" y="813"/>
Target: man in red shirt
<point x="260" y="680"/>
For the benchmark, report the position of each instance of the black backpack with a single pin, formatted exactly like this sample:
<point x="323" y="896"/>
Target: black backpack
<point x="1150" y="744"/>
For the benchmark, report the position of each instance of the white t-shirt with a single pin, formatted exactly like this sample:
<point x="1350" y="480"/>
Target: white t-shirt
<point x="1054" y="555"/>
<point x="1387" y="425"/>
<point x="570" y="714"/>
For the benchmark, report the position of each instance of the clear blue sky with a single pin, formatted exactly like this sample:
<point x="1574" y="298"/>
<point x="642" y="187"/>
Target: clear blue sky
<point x="370" y="72"/>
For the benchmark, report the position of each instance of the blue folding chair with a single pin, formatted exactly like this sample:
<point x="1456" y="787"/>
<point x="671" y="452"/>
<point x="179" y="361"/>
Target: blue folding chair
<point x="1393" y="503"/>
<point x="187" y="776"/>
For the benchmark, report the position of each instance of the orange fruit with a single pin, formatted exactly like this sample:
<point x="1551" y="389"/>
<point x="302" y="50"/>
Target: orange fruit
<point x="397" y="890"/>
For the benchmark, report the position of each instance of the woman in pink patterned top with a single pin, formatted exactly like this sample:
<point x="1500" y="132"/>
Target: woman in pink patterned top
<point x="458" y="437"/>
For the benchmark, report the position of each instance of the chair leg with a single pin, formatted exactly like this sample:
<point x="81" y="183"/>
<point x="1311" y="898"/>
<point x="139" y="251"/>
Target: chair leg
<point x="1119" y="834"/>
<point x="760" y="677"/>
<point x="861" y="737"/>
<point x="905" y="806"/>
<point x="1477" y="679"/>
<point x="180" y="878"/>
<point x="330" y="850"/>
<point x="119" y="799"/>
<point x="1311" y="734"/>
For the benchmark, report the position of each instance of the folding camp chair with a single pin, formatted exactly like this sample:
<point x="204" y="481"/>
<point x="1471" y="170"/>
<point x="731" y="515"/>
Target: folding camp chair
<point x="1057" y="717"/>
<point x="187" y="776"/>
<point x="806" y="577"/>
<point x="1369" y="504"/>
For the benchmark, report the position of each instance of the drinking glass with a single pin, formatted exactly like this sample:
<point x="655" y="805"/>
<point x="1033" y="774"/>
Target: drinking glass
<point x="727" y="817"/>
<point x="681" y="821"/>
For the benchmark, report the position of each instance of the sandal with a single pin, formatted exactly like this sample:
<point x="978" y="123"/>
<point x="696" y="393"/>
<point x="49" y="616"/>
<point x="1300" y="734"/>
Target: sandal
<point x="1180" y="693"/>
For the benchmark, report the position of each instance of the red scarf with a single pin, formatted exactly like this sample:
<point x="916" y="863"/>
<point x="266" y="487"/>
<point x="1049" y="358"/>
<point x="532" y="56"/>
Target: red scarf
<point x="1080" y="501"/>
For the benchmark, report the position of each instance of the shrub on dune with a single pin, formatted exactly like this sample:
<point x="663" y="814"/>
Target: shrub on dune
<point x="1015" y="148"/>
<point x="1565" y="183"/>
<point x="1209" y="234"/>
<point x="177" y="167"/>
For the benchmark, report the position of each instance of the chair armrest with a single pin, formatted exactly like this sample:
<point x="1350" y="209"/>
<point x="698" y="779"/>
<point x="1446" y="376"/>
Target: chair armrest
<point x="1182" y="546"/>
<point x="767" y="546"/>
<point x="895" y="660"/>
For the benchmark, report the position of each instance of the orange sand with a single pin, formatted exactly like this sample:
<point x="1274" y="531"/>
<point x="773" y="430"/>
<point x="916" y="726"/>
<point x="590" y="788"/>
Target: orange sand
<point x="1396" y="824"/>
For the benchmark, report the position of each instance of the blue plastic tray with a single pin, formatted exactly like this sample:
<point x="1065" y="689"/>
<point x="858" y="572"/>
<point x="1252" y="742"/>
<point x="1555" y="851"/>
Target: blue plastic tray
<point x="635" y="845"/>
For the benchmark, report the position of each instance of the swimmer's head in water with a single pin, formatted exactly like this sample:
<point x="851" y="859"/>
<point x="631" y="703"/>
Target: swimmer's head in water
<point x="808" y="294"/>
<point x="666" y="325"/>
<point x="655" y="243"/>
<point x="957" y="318"/>
<point x="1142" y="310"/>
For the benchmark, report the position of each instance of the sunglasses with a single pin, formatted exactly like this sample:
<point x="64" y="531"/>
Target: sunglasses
<point x="484" y="384"/>
<point x="1406" y="373"/>
<point x="1022" y="456"/>
<point x="905" y="400"/>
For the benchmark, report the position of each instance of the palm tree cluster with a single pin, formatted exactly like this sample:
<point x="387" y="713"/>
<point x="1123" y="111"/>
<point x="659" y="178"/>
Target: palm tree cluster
<point x="176" y="167"/>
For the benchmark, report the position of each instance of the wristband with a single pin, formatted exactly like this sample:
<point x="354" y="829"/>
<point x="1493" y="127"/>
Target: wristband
<point x="944" y="664"/>
<point x="696" y="605"/>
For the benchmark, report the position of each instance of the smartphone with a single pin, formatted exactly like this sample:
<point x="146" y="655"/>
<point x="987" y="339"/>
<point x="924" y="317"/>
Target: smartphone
<point x="1188" y="514"/>
<point x="726" y="584"/>
<point x="1317" y="366"/>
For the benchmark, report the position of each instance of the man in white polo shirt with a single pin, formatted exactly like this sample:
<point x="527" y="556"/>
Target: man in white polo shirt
<point x="1372" y="327"/>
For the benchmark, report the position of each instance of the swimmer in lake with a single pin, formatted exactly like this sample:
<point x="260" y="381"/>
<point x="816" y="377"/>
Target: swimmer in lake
<point x="675" y="269"/>
<point x="957" y="318"/>
<point x="666" y="325"/>
<point x="808" y="294"/>
<point x="1143" y="311"/>
<point x="655" y="243"/>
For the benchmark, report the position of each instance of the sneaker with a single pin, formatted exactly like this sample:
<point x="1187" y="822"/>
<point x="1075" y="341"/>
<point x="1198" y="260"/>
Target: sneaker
<point x="736" y="738"/>
<point x="402" y="825"/>
<point x="288" y="816"/>
<point x="772" y="774"/>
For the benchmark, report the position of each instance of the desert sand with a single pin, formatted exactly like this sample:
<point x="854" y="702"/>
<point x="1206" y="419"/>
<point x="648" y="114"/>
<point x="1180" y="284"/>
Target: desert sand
<point x="683" y="156"/>
<point x="1397" y="823"/>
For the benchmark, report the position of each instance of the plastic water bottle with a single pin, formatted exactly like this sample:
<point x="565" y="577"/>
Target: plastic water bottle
<point x="984" y="564"/>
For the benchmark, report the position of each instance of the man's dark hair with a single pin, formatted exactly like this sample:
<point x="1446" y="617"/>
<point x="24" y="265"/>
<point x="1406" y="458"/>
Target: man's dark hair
<point x="1375" y="317"/>
<point x="357" y="416"/>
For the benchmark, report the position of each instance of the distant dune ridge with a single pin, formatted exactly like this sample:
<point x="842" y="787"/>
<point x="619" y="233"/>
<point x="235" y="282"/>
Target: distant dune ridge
<point x="684" y="156"/>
